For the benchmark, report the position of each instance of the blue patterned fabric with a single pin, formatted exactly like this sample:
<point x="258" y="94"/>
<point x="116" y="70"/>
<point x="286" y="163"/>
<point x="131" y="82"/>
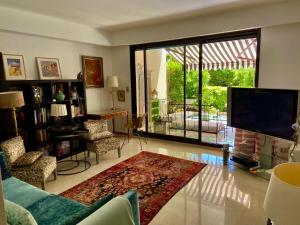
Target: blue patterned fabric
<point x="132" y="196"/>
<point x="4" y="166"/>
<point x="22" y="193"/>
<point x="57" y="210"/>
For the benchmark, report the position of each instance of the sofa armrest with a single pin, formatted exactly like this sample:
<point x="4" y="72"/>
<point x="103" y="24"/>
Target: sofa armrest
<point x="116" y="212"/>
<point x="132" y="196"/>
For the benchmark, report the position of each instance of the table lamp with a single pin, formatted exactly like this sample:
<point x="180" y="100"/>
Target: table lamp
<point x="282" y="201"/>
<point x="112" y="82"/>
<point x="12" y="100"/>
<point x="57" y="111"/>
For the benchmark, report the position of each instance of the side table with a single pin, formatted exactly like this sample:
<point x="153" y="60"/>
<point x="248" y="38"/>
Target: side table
<point x="76" y="135"/>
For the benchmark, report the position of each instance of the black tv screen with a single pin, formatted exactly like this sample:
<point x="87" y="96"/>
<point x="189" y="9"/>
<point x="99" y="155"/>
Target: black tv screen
<point x="267" y="111"/>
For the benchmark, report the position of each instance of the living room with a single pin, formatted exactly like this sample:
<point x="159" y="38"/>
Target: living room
<point x="68" y="30"/>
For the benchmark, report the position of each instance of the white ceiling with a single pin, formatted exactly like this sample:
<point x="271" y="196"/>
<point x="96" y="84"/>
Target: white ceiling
<point x="120" y="14"/>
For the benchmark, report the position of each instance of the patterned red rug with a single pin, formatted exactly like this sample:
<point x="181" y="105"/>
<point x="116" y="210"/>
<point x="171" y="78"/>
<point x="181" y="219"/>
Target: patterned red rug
<point x="156" y="177"/>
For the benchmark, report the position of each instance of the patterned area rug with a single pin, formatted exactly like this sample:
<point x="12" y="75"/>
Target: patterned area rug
<point x="156" y="177"/>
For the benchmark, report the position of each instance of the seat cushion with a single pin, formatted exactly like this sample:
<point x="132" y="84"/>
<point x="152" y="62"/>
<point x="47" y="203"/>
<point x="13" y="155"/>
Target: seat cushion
<point x="22" y="193"/>
<point x="13" y="149"/>
<point x="99" y="135"/>
<point x="104" y="145"/>
<point x="4" y="167"/>
<point x="17" y="214"/>
<point x="37" y="171"/>
<point x="27" y="158"/>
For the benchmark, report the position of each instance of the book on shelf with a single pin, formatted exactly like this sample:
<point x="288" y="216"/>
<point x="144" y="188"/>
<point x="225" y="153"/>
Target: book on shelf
<point x="77" y="111"/>
<point x="41" y="116"/>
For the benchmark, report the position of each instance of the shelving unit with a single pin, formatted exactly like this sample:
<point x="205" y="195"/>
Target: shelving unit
<point x="34" y="118"/>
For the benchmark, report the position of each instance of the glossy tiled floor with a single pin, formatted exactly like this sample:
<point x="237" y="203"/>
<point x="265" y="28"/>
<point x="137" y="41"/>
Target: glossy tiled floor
<point x="218" y="195"/>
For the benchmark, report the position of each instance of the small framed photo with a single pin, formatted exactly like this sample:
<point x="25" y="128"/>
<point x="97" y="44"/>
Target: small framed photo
<point x="49" y="68"/>
<point x="14" y="68"/>
<point x="93" y="71"/>
<point x="121" y="95"/>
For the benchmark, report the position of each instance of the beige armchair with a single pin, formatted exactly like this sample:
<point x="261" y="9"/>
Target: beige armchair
<point x="31" y="167"/>
<point x="99" y="139"/>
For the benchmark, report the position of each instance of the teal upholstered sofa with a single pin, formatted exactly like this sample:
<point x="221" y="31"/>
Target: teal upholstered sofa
<point x="50" y="209"/>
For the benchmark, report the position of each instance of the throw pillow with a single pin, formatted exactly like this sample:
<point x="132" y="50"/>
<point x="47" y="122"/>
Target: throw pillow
<point x="18" y="215"/>
<point x="28" y="158"/>
<point x="4" y="167"/>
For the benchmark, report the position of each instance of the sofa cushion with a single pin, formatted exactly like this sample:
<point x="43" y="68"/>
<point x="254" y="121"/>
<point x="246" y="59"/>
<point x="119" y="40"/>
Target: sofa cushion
<point x="22" y="193"/>
<point x="13" y="149"/>
<point x="28" y="158"/>
<point x="57" y="210"/>
<point x="4" y="167"/>
<point x="17" y="215"/>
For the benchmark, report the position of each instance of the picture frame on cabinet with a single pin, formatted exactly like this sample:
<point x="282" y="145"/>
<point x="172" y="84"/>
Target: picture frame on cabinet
<point x="121" y="95"/>
<point x="14" y="67"/>
<point x="49" y="68"/>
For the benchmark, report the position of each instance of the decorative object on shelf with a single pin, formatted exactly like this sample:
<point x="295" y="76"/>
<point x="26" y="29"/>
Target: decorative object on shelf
<point x="12" y="100"/>
<point x="14" y="68"/>
<point x="93" y="71"/>
<point x="121" y="95"/>
<point x="80" y="76"/>
<point x="74" y="93"/>
<point x="60" y="96"/>
<point x="113" y="83"/>
<point x="37" y="94"/>
<point x="49" y="68"/>
<point x="282" y="199"/>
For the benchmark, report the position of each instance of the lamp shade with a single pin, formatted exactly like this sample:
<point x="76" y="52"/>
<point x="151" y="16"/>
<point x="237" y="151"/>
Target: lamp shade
<point x="282" y="201"/>
<point x="112" y="82"/>
<point x="58" y="110"/>
<point x="11" y="99"/>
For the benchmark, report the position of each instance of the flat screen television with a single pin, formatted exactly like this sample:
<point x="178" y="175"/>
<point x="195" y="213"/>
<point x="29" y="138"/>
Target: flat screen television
<point x="267" y="111"/>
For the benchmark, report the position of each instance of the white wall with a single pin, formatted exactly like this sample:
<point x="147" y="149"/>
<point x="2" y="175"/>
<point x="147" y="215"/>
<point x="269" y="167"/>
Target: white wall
<point x="286" y="12"/>
<point x="280" y="57"/>
<point x="69" y="54"/>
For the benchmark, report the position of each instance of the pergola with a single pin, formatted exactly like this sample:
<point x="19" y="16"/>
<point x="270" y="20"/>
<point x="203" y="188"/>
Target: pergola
<point x="234" y="54"/>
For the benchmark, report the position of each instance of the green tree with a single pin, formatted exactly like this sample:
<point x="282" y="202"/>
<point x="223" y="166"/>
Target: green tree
<point x="175" y="80"/>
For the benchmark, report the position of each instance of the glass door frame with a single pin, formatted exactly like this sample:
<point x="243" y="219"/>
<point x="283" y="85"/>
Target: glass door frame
<point x="253" y="33"/>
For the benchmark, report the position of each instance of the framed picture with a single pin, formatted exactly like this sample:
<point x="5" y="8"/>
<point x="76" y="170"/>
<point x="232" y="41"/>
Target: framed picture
<point x="49" y="68"/>
<point x="121" y="95"/>
<point x="14" y="68"/>
<point x="93" y="71"/>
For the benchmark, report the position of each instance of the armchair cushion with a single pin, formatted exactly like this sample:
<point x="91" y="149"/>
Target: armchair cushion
<point x="13" y="149"/>
<point x="4" y="167"/>
<point x="99" y="135"/>
<point x="28" y="158"/>
<point x="18" y="215"/>
<point x="95" y="126"/>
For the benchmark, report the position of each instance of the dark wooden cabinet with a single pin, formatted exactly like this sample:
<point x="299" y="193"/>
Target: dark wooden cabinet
<point x="34" y="118"/>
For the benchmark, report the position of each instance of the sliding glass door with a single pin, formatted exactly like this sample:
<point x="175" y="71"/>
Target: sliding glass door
<point x="181" y="86"/>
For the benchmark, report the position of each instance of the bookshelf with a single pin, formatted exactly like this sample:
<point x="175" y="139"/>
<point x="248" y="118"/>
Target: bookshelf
<point x="34" y="118"/>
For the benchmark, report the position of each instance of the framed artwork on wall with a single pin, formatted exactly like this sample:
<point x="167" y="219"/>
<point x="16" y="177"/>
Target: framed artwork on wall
<point x="93" y="71"/>
<point x="14" y="68"/>
<point x="121" y="95"/>
<point x="49" y="68"/>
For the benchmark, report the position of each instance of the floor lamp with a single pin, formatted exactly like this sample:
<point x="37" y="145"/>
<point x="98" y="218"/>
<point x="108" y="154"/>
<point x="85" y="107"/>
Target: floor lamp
<point x="113" y="83"/>
<point x="12" y="100"/>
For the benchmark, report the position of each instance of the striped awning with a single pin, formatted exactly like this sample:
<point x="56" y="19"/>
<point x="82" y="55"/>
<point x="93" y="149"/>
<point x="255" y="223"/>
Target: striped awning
<point x="234" y="54"/>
